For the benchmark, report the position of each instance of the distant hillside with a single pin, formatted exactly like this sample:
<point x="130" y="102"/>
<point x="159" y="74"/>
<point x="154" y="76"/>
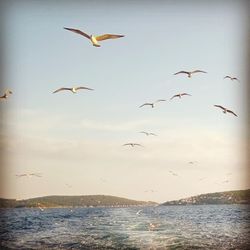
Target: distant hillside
<point x="74" y="201"/>
<point x="228" y="197"/>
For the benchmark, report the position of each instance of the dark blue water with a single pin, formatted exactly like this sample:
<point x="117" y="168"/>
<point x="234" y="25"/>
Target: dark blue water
<point x="172" y="227"/>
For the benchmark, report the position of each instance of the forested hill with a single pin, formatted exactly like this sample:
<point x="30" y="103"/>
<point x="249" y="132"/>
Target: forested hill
<point x="74" y="201"/>
<point x="228" y="197"/>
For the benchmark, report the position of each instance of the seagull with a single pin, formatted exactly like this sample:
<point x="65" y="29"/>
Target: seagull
<point x="138" y="212"/>
<point x="95" y="39"/>
<point x="189" y="73"/>
<point x="73" y="90"/>
<point x="225" y="110"/>
<point x="147" y="133"/>
<point x="192" y="162"/>
<point x="152" y="191"/>
<point x="232" y="78"/>
<point x="132" y="144"/>
<point x="179" y="95"/>
<point x="6" y="94"/>
<point x="152" y="104"/>
<point x="40" y="207"/>
<point x="29" y="175"/>
<point x="203" y="178"/>
<point x="173" y="173"/>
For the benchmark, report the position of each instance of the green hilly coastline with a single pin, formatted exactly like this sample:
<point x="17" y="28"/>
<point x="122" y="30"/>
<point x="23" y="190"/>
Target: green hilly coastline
<point x="228" y="197"/>
<point x="73" y="201"/>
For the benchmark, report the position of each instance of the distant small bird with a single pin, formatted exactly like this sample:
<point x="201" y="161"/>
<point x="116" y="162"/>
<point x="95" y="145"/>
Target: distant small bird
<point x="95" y="39"/>
<point x="203" y="178"/>
<point x="225" y="110"/>
<point x="138" y="212"/>
<point x="152" y="191"/>
<point x="73" y="90"/>
<point x="192" y="162"/>
<point x="232" y="78"/>
<point x="29" y="175"/>
<point x="147" y="133"/>
<point x="189" y="73"/>
<point x="40" y="207"/>
<point x="132" y="144"/>
<point x="173" y="173"/>
<point x="179" y="95"/>
<point x="152" y="104"/>
<point x="6" y="94"/>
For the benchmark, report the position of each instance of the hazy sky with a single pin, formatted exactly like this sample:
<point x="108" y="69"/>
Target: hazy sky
<point x="77" y="139"/>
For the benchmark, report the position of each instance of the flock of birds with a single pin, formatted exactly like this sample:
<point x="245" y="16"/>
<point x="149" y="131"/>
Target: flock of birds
<point x="95" y="42"/>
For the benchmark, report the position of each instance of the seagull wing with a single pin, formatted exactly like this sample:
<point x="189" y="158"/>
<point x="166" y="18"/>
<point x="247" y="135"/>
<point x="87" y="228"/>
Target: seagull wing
<point x="160" y="100"/>
<point x="219" y="106"/>
<point x="144" y="132"/>
<point x="235" y="78"/>
<point x="83" y="88"/>
<point x="126" y="144"/>
<point x="174" y="97"/>
<point x="137" y="144"/>
<point x="230" y="111"/>
<point x="107" y="36"/>
<point x="185" y="94"/>
<point x="61" y="90"/>
<point x="228" y="77"/>
<point x="198" y="71"/>
<point x="78" y="32"/>
<point x="153" y="134"/>
<point x="181" y="72"/>
<point x="145" y="104"/>
<point x="21" y="175"/>
<point x="36" y="174"/>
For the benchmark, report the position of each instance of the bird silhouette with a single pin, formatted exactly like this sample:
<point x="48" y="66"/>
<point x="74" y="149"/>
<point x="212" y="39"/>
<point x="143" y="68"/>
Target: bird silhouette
<point x="95" y="39"/>
<point x="225" y="110"/>
<point x="190" y="73"/>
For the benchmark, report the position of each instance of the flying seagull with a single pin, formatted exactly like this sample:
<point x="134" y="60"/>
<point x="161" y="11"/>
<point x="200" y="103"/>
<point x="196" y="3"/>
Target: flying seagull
<point x="6" y="94"/>
<point x="192" y="162"/>
<point x="171" y="172"/>
<point x="225" y="110"/>
<point x="132" y="144"/>
<point x="152" y="104"/>
<point x="138" y="212"/>
<point x="179" y="95"/>
<point x="232" y="78"/>
<point x="147" y="133"/>
<point x="190" y="73"/>
<point x="73" y="90"/>
<point x="95" y="39"/>
<point x="29" y="175"/>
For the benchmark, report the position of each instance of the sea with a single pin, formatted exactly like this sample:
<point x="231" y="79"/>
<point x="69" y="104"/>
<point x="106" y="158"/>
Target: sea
<point x="158" y="227"/>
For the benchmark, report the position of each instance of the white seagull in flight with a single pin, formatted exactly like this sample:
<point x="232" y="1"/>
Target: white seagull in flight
<point x="179" y="95"/>
<point x="232" y="78"/>
<point x="171" y="172"/>
<point x="29" y="175"/>
<point x="6" y="94"/>
<point x="147" y="133"/>
<point x="190" y="73"/>
<point x="152" y="104"/>
<point x="132" y="144"/>
<point x="225" y="110"/>
<point x="95" y="39"/>
<point x="73" y="90"/>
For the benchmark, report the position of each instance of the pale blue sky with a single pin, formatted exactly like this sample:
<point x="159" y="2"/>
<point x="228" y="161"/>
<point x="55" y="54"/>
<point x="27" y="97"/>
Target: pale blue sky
<point x="76" y="139"/>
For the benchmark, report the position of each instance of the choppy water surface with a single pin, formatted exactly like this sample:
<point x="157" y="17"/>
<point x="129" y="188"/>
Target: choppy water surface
<point x="171" y="227"/>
